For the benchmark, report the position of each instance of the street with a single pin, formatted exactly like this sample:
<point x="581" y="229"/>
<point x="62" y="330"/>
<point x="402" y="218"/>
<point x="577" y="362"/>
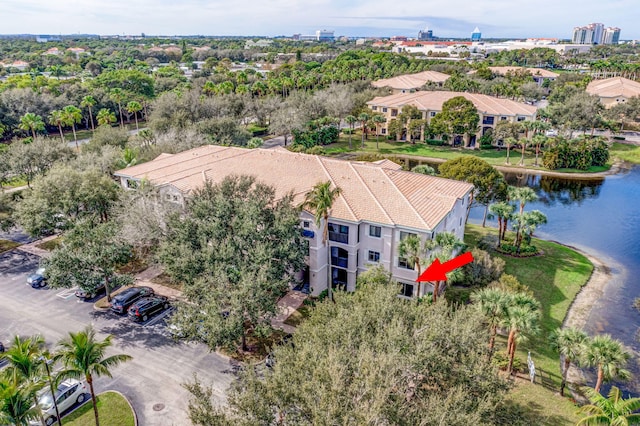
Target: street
<point x="151" y="380"/>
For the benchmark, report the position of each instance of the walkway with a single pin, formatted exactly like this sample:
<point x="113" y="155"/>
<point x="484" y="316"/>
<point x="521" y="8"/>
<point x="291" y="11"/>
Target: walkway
<point x="33" y="249"/>
<point x="286" y="306"/>
<point x="144" y="279"/>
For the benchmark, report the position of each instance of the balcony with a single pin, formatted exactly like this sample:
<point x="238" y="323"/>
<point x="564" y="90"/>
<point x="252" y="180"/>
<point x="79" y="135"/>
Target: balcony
<point x="339" y="237"/>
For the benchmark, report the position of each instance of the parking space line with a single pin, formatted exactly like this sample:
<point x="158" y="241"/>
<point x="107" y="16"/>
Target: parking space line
<point x="67" y="293"/>
<point x="157" y="318"/>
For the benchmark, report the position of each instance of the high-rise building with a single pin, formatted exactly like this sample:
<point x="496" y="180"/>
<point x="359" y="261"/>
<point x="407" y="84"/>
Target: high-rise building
<point x="611" y="35"/>
<point x="589" y="34"/>
<point x="476" y="35"/>
<point x="324" y="35"/>
<point x="426" y="35"/>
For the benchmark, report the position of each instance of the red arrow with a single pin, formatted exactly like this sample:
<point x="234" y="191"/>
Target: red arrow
<point x="436" y="271"/>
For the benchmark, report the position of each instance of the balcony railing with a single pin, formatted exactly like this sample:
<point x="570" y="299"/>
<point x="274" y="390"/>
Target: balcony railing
<point x="338" y="237"/>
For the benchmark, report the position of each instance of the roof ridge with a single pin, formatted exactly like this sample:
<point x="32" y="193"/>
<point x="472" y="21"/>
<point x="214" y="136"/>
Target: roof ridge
<point x="326" y="170"/>
<point x="387" y="172"/>
<point x="369" y="190"/>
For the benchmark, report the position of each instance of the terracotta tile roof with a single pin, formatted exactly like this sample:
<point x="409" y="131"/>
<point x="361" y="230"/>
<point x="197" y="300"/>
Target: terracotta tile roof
<point x="534" y="71"/>
<point x="411" y="81"/>
<point x="373" y="192"/>
<point x="432" y="101"/>
<point x="612" y="87"/>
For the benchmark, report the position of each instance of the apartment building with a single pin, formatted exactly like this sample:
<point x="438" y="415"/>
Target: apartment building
<point x="490" y="109"/>
<point x="613" y="91"/>
<point x="411" y="82"/>
<point x="379" y="205"/>
<point x="539" y="75"/>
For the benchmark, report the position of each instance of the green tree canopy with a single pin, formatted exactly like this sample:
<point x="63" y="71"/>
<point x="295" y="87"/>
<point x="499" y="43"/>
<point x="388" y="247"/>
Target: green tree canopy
<point x="459" y="116"/>
<point x="235" y="248"/>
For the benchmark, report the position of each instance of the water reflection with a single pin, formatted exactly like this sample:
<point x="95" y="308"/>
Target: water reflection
<point x="552" y="190"/>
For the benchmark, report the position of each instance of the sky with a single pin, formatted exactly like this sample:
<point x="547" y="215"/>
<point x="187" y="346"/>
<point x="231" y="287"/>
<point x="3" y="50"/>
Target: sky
<point x="447" y="18"/>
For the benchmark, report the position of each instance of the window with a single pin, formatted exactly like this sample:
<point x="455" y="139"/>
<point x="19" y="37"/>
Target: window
<point x="394" y="112"/>
<point x="432" y="114"/>
<point x="306" y="224"/>
<point x="375" y="231"/>
<point x="406" y="290"/>
<point x="404" y="235"/>
<point x="521" y="118"/>
<point x="503" y="118"/>
<point x="488" y="120"/>
<point x="384" y="109"/>
<point x="131" y="183"/>
<point x="404" y="263"/>
<point x="339" y="233"/>
<point x="374" y="256"/>
<point x="374" y="108"/>
<point x="384" y="131"/>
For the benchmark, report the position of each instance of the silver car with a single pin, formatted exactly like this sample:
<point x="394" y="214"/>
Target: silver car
<point x="69" y="392"/>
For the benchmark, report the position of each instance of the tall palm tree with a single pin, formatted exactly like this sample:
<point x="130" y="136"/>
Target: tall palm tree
<point x="523" y="314"/>
<point x="410" y="248"/>
<point x="528" y="126"/>
<point x="503" y="211"/>
<point x="538" y="141"/>
<point x="105" y="117"/>
<point x="72" y="115"/>
<point x="363" y="118"/>
<point x="320" y="200"/>
<point x="25" y="364"/>
<point x="31" y="122"/>
<point x="493" y="304"/>
<point x="570" y="344"/>
<point x="16" y="405"/>
<point x="443" y="247"/>
<point x="378" y="119"/>
<point x="56" y="118"/>
<point x="118" y="96"/>
<point x="134" y="107"/>
<point x="613" y="410"/>
<point x="509" y="141"/>
<point x="89" y="102"/>
<point x="350" y="120"/>
<point x="84" y="356"/>
<point x="609" y="357"/>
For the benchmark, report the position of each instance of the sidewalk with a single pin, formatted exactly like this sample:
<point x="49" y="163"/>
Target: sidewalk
<point x="31" y="247"/>
<point x="286" y="306"/>
<point x="144" y="279"/>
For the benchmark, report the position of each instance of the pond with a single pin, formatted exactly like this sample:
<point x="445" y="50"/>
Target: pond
<point x="601" y="217"/>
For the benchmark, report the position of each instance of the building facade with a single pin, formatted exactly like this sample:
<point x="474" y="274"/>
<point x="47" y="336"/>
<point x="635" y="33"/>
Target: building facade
<point x="379" y="205"/>
<point x="476" y="35"/>
<point x="491" y="110"/>
<point x="589" y="34"/>
<point x="611" y="35"/>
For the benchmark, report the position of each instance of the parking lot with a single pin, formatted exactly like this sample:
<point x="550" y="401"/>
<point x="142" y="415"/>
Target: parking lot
<point x="152" y="380"/>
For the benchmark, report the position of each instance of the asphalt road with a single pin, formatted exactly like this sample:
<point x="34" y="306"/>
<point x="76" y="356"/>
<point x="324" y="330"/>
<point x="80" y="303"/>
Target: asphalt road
<point x="151" y="381"/>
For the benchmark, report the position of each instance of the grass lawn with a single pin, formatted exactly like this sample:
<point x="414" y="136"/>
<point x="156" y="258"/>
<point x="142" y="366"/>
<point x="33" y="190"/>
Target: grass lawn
<point x="537" y="405"/>
<point x="6" y="245"/>
<point x="50" y="245"/>
<point x="495" y="156"/>
<point x="298" y="316"/>
<point x="555" y="279"/>
<point x="113" y="410"/>
<point x="626" y="152"/>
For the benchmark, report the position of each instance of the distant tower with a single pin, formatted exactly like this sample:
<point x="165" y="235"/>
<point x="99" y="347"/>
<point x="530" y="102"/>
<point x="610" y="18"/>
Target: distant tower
<point x="426" y="35"/>
<point x="611" y="35"/>
<point x="476" y="35"/>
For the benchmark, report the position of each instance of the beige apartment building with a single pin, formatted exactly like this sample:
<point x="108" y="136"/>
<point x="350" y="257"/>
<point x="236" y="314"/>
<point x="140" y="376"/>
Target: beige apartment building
<point x="379" y="205"/>
<point x="613" y="91"/>
<point x="411" y="82"/>
<point x="491" y="110"/>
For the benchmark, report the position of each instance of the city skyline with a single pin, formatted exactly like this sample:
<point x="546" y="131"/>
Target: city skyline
<point x="454" y="18"/>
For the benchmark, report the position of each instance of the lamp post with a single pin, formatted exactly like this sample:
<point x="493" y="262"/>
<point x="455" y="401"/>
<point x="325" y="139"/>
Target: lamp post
<point x="53" y="393"/>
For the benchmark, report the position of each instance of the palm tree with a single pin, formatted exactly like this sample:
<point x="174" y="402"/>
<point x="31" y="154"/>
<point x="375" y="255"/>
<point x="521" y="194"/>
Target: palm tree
<point x="89" y="102"/>
<point x="527" y="126"/>
<point x="16" y="405"/>
<point x="31" y="122"/>
<point x="71" y="116"/>
<point x="25" y="364"/>
<point x="84" y="356"/>
<point x="410" y="248"/>
<point x="363" y="118"/>
<point x="378" y="119"/>
<point x="613" y="410"/>
<point x="538" y="141"/>
<point x="350" y="120"/>
<point x="118" y="95"/>
<point x="523" y="313"/>
<point x="509" y="141"/>
<point x="609" y="356"/>
<point x="134" y="107"/>
<point x="443" y="247"/>
<point x="493" y="304"/>
<point x="320" y="200"/>
<point x="503" y="211"/>
<point x="570" y="344"/>
<point x="56" y="118"/>
<point x="105" y="117"/>
<point x="523" y="195"/>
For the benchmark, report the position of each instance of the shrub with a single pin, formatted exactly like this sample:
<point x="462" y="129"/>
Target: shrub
<point x="255" y="143"/>
<point x="501" y="360"/>
<point x="315" y="150"/>
<point x="510" y="249"/>
<point x="486" y="141"/>
<point x="483" y="270"/>
<point x="510" y="284"/>
<point x="458" y="295"/>
<point x="435" y="142"/>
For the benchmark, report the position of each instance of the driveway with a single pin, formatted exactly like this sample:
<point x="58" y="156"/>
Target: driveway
<point x="151" y="380"/>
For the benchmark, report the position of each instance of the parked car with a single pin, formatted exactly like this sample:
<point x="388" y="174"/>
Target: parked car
<point x="89" y="294"/>
<point x="147" y="306"/>
<point x="122" y="301"/>
<point x="37" y="279"/>
<point x="69" y="392"/>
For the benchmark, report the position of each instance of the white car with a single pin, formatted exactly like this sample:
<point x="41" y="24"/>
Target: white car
<point x="69" y="392"/>
<point x="551" y="133"/>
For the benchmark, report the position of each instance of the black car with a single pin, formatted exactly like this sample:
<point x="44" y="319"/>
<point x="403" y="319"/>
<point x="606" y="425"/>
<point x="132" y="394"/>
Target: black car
<point x="147" y="306"/>
<point x="121" y="302"/>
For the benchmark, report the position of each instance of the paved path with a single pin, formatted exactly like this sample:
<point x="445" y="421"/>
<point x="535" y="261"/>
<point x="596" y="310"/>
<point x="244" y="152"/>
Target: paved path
<point x="33" y="249"/>
<point x="145" y="278"/>
<point x="286" y="306"/>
